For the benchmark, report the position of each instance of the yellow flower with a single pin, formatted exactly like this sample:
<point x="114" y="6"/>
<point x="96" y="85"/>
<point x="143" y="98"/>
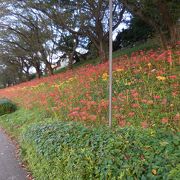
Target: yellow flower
<point x="34" y="87"/>
<point x="154" y="171"/>
<point x="119" y="70"/>
<point x="149" y="64"/>
<point x="56" y="85"/>
<point x="104" y="76"/>
<point x="128" y="83"/>
<point x="161" y="78"/>
<point x="72" y="79"/>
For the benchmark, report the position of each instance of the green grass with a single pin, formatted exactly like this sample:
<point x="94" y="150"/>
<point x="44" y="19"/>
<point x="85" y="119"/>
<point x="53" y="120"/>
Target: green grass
<point x="56" y="147"/>
<point x="126" y="51"/>
<point x="67" y="150"/>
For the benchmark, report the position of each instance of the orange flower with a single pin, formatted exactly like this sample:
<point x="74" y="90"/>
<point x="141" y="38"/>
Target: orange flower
<point x="122" y="123"/>
<point x="144" y="124"/>
<point x="177" y="117"/>
<point x="120" y="70"/>
<point x="105" y="77"/>
<point x="92" y="117"/>
<point x="131" y="114"/>
<point x="161" y="78"/>
<point x="135" y="105"/>
<point x="164" y="120"/>
<point x="149" y="65"/>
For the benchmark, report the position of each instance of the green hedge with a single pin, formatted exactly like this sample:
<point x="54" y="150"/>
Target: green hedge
<point x="71" y="151"/>
<point x="6" y="106"/>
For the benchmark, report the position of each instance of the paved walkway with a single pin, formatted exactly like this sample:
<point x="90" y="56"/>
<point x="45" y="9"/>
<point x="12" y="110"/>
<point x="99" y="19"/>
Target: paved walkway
<point x="10" y="168"/>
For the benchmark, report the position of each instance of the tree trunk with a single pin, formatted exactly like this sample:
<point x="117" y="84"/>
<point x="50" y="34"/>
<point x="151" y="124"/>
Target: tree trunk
<point x="168" y="20"/>
<point x="102" y="52"/>
<point x="38" y="72"/>
<point x="163" y="39"/>
<point x="70" y="64"/>
<point x="27" y="76"/>
<point x="49" y="68"/>
<point x="71" y="54"/>
<point x="174" y="34"/>
<point x="139" y="12"/>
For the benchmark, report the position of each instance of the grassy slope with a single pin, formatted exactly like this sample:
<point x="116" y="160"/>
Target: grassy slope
<point x="118" y="53"/>
<point x="41" y="115"/>
<point x="143" y="153"/>
<point x="143" y="86"/>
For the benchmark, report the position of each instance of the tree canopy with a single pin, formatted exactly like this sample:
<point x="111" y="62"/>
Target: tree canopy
<point x="37" y="35"/>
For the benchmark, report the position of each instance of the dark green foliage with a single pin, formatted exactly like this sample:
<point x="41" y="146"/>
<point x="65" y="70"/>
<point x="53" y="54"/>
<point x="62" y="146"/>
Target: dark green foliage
<point x="137" y="32"/>
<point x="6" y="106"/>
<point x="72" y="151"/>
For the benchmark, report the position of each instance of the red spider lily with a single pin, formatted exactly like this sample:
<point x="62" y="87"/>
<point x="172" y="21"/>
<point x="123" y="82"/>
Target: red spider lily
<point x="169" y="57"/>
<point x="92" y="117"/>
<point x="122" y="123"/>
<point x="164" y="120"/>
<point x="164" y="101"/>
<point x="144" y="124"/>
<point x="177" y="117"/>
<point x="172" y="77"/>
<point x="131" y="114"/>
<point x="156" y="97"/>
<point x="135" y="105"/>
<point x="79" y="95"/>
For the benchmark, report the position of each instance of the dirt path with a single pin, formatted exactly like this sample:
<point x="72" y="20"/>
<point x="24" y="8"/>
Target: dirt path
<point x="10" y="168"/>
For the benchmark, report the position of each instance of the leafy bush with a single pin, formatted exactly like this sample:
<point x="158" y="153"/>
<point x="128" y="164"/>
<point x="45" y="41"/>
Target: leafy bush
<point x="72" y="151"/>
<point x="6" y="106"/>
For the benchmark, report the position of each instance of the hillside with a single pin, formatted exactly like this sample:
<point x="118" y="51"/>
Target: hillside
<point x="144" y="85"/>
<point x="62" y="120"/>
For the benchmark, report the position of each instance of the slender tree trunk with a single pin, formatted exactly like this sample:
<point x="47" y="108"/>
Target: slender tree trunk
<point x="71" y="54"/>
<point x="27" y="76"/>
<point x="77" y="58"/>
<point x="163" y="39"/>
<point x="102" y="51"/>
<point x="38" y="72"/>
<point x="49" y="68"/>
<point x="70" y="64"/>
<point x="174" y="34"/>
<point x="48" y="64"/>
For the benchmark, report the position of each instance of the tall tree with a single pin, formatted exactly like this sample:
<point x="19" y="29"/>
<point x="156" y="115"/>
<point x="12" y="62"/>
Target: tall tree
<point x="137" y="31"/>
<point x="32" y="32"/>
<point x="84" y="18"/>
<point x="162" y="15"/>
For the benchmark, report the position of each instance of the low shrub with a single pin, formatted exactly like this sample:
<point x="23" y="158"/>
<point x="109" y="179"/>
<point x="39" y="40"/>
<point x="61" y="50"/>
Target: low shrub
<point x="71" y="151"/>
<point x="6" y="106"/>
